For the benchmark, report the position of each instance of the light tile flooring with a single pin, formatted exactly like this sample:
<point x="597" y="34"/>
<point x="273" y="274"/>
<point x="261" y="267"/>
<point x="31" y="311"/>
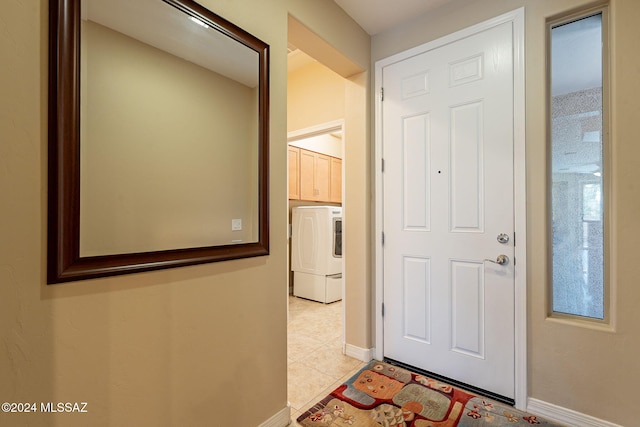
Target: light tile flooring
<point x="316" y="365"/>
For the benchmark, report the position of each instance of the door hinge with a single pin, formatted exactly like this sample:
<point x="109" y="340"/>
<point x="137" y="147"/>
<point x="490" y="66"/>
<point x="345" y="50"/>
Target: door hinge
<point x="381" y="94"/>
<point x="382" y="309"/>
<point x="514" y="239"/>
<point x="382" y="165"/>
<point x="383" y="238"/>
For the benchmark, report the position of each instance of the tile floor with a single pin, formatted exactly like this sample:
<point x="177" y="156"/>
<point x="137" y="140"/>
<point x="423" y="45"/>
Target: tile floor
<point x="316" y="365"/>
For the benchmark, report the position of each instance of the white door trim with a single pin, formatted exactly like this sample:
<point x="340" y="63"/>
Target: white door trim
<point x="516" y="17"/>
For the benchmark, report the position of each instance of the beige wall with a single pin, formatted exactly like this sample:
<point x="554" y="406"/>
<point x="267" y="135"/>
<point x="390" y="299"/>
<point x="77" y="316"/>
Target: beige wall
<point x="590" y="371"/>
<point x="186" y="346"/>
<point x="358" y="207"/>
<point x="180" y="346"/>
<point x="315" y="95"/>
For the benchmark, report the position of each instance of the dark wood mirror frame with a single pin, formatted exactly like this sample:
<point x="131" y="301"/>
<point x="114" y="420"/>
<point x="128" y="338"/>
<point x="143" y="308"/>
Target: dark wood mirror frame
<point x="64" y="261"/>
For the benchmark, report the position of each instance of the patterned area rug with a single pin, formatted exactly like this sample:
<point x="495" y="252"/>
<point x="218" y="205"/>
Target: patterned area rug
<point x="389" y="396"/>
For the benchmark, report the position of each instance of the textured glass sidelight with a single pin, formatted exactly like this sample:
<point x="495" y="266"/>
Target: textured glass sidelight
<point x="577" y="214"/>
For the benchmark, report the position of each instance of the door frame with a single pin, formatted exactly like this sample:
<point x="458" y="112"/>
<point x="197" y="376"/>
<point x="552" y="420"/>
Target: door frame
<point x="516" y="18"/>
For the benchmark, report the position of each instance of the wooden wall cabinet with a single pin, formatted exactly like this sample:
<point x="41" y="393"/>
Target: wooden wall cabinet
<point x="315" y="169"/>
<point x="318" y="177"/>
<point x="335" y="192"/>
<point x="294" y="173"/>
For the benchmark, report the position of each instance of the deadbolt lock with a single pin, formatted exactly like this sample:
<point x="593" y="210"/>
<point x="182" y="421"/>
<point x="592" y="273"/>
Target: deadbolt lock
<point x="503" y="238"/>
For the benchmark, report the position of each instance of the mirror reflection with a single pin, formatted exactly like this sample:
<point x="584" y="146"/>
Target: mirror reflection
<point x="168" y="131"/>
<point x="158" y="138"/>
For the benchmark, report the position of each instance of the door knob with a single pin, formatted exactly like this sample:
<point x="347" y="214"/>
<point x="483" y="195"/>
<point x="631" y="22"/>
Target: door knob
<point x="501" y="259"/>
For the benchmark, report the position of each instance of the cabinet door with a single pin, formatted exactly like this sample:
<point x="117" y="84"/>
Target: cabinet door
<point x="307" y="161"/>
<point x="294" y="173"/>
<point x="336" y="180"/>
<point x="322" y="177"/>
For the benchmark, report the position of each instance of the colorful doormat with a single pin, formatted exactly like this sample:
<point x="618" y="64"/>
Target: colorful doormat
<point x="389" y="396"/>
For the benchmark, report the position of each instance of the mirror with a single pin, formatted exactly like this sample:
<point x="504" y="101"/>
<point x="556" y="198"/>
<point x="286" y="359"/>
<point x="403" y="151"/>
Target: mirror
<point x="158" y="138"/>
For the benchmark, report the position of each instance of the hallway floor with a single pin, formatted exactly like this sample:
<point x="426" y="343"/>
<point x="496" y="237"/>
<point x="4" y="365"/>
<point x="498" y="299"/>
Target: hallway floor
<point x="316" y="365"/>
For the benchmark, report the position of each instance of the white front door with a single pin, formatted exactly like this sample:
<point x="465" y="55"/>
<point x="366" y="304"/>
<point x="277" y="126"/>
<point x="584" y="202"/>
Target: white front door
<point x="448" y="147"/>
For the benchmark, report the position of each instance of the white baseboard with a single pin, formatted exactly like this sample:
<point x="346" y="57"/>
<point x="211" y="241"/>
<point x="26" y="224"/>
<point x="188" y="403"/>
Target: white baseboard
<point x="363" y="354"/>
<point x="281" y="419"/>
<point x="565" y="416"/>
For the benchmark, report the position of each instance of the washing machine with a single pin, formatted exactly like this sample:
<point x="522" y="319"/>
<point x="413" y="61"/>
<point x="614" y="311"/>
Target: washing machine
<point x="316" y="252"/>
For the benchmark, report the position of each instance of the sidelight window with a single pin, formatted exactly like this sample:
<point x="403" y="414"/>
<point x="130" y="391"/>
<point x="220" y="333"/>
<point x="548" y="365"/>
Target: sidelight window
<point x="578" y="167"/>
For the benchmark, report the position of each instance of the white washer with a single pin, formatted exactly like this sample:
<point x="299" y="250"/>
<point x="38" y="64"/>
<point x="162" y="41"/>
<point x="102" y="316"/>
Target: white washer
<point x="316" y="253"/>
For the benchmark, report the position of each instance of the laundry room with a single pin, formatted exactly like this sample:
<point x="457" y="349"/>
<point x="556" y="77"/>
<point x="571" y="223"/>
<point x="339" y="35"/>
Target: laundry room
<point x="315" y="215"/>
<point x="315" y="153"/>
<point x="316" y="190"/>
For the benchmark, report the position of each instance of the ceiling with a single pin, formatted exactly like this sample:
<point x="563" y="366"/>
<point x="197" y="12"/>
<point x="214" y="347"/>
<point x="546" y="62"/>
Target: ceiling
<point x="376" y="16"/>
<point x="572" y="47"/>
<point x="575" y="43"/>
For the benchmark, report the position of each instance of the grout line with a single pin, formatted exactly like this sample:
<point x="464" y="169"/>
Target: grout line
<point x="302" y="309"/>
<point x="328" y="390"/>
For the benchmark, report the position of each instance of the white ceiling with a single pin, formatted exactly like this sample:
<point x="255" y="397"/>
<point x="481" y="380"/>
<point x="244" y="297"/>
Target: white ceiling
<point x="376" y="16"/>
<point x="575" y="43"/>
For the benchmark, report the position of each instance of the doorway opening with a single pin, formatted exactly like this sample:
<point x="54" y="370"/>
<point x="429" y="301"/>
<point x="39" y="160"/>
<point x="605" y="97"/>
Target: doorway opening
<point x="317" y="118"/>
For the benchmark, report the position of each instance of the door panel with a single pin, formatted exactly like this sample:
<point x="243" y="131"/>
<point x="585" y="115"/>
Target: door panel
<point x="447" y="144"/>
<point x="294" y="173"/>
<point x="416" y="182"/>
<point x="467" y="204"/>
<point x="336" y="180"/>
<point x="307" y="175"/>
<point x="467" y="308"/>
<point x="417" y="287"/>
<point x="322" y="177"/>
